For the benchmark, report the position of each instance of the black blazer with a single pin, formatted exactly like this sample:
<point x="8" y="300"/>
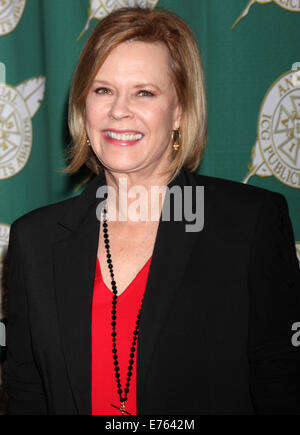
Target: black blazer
<point x="219" y="305"/>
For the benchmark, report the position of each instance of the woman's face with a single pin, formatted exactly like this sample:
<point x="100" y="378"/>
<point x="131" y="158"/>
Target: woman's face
<point x="132" y="108"/>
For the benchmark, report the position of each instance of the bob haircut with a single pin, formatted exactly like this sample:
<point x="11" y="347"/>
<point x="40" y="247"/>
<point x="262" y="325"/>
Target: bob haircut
<point x="186" y="70"/>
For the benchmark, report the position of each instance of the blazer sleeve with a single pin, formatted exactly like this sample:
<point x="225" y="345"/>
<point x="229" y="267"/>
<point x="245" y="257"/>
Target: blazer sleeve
<point x="20" y="373"/>
<point x="274" y="305"/>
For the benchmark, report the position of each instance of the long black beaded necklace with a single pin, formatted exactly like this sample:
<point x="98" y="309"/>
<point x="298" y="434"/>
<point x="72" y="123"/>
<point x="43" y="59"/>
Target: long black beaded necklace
<point x="123" y="398"/>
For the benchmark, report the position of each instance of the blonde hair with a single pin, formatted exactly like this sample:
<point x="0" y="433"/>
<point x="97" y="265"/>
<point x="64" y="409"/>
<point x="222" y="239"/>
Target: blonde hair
<point x="186" y="69"/>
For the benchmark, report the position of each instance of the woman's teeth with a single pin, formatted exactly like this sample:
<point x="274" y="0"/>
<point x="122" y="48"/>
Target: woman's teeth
<point x="124" y="136"/>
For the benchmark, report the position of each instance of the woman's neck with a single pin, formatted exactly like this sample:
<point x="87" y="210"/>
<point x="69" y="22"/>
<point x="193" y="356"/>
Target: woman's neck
<point x="135" y="199"/>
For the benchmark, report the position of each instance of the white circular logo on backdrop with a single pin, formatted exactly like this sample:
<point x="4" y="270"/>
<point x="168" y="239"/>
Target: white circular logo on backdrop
<point x="101" y="8"/>
<point x="11" y="12"/>
<point x="17" y="107"/>
<point x="289" y="5"/>
<point x="4" y="238"/>
<point x="279" y="131"/>
<point x="277" y="150"/>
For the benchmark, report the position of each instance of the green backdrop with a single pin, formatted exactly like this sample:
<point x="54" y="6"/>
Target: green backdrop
<point x="253" y="96"/>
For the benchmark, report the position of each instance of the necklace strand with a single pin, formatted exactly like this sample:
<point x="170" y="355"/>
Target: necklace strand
<point x="123" y="398"/>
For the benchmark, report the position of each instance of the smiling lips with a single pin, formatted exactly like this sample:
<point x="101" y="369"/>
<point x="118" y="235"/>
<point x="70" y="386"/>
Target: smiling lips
<point x="123" y="138"/>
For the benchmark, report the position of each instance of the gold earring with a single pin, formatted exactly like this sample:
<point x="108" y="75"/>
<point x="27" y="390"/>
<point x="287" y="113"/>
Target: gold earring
<point x="176" y="139"/>
<point x="88" y="142"/>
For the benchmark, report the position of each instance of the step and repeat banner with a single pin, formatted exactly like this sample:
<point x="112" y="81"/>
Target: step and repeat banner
<point x="251" y="54"/>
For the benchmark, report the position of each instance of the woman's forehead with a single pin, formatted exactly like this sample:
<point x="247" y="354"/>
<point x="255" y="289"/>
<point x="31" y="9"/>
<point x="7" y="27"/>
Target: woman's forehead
<point x="137" y="59"/>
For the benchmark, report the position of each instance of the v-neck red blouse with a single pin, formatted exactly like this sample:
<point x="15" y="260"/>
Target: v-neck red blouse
<point x="104" y="385"/>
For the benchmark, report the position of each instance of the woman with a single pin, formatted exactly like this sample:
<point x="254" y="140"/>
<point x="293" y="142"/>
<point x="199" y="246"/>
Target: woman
<point x="204" y="315"/>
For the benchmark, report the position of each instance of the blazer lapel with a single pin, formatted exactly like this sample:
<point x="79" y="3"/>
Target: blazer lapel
<point x="74" y="259"/>
<point x="170" y="257"/>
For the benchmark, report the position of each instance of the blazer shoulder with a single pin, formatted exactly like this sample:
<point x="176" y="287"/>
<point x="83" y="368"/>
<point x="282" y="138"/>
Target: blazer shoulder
<point x="44" y="216"/>
<point x="236" y="191"/>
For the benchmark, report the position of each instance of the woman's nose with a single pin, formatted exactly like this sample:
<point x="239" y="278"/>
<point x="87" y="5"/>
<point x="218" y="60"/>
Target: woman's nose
<point x="120" y="108"/>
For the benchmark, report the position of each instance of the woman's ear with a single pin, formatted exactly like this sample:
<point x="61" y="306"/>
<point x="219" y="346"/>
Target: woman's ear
<point x="178" y="117"/>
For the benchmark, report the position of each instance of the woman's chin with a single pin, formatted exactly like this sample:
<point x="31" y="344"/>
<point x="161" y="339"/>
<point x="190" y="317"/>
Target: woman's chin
<point x="121" y="167"/>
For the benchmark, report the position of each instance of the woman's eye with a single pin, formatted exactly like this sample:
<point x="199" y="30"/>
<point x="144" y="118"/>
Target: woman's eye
<point x="146" y="93"/>
<point x="102" y="91"/>
<point x="106" y="91"/>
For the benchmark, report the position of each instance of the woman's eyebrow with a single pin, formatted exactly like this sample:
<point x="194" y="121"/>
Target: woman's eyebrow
<point x="104" y="82"/>
<point x="143" y="85"/>
<point x="140" y="85"/>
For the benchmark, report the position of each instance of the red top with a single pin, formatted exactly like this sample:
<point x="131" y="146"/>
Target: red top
<point x="104" y="385"/>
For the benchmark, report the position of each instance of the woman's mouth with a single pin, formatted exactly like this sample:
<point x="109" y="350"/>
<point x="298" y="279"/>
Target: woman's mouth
<point x="122" y="138"/>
